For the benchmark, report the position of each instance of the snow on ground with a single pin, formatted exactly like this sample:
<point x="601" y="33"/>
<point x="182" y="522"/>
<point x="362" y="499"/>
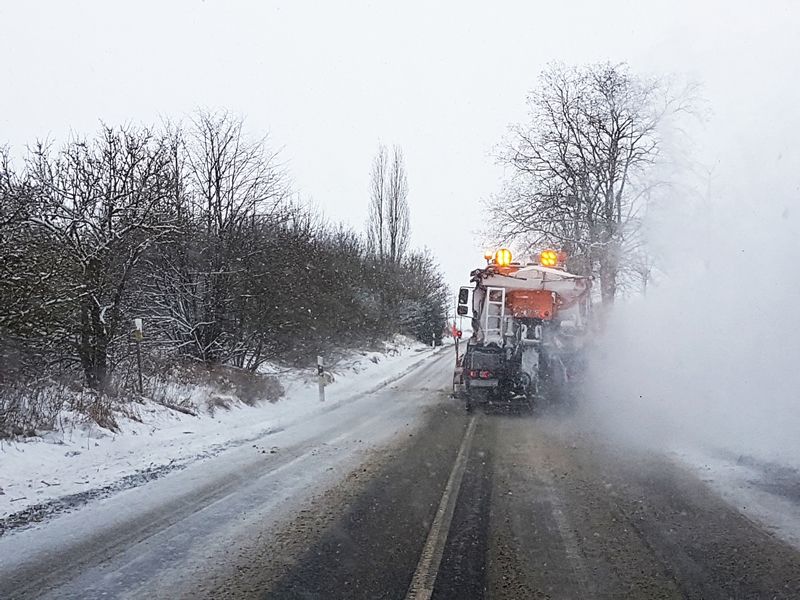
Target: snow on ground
<point x="83" y="461"/>
<point x="765" y="489"/>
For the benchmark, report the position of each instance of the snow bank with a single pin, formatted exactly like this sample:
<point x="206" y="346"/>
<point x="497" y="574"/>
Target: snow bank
<point x="80" y="461"/>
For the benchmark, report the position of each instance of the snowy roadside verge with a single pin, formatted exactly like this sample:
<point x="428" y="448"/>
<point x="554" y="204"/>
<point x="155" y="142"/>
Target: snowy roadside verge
<point x="764" y="489"/>
<point x="57" y="471"/>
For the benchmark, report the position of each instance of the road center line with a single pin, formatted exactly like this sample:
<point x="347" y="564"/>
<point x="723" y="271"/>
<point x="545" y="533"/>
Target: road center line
<point x="421" y="586"/>
<point x="570" y="544"/>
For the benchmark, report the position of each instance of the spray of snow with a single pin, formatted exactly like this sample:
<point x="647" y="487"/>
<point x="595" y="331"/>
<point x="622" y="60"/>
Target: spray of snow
<point x="705" y="366"/>
<point x="709" y="356"/>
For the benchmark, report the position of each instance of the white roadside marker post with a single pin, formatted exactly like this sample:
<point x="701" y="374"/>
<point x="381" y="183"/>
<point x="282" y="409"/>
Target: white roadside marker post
<point x="321" y="378"/>
<point x="138" y="335"/>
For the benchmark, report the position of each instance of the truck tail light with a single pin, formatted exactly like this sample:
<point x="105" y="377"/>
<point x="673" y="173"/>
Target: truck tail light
<point x="483" y="374"/>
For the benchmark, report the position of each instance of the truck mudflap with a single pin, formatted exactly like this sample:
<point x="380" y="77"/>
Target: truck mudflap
<point x="482" y="384"/>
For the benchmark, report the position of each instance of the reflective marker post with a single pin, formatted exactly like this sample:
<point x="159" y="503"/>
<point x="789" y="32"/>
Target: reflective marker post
<point x="138" y="334"/>
<point x="321" y="378"/>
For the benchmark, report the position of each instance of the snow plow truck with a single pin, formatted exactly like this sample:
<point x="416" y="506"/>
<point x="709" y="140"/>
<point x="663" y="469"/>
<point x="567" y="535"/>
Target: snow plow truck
<point x="530" y="324"/>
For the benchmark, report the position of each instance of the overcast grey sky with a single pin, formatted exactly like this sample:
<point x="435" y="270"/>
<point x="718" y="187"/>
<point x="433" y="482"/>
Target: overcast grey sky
<point x="330" y="80"/>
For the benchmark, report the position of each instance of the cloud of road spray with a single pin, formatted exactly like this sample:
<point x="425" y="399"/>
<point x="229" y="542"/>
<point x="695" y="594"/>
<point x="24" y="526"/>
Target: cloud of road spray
<point x="711" y="355"/>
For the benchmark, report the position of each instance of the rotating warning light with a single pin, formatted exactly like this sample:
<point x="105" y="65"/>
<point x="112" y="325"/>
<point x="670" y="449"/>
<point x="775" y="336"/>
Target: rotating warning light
<point x="487" y="254"/>
<point x="503" y="257"/>
<point x="548" y="258"/>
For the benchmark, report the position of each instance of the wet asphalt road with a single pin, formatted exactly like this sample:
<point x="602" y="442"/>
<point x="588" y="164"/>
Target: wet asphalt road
<point x="543" y="511"/>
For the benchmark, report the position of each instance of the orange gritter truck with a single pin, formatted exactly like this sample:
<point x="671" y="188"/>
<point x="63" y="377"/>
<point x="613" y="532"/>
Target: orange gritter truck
<point x="529" y="328"/>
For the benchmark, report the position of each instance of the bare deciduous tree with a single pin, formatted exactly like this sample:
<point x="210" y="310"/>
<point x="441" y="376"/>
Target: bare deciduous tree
<point x="388" y="225"/>
<point x="232" y="177"/>
<point x="377" y="203"/>
<point x="194" y="231"/>
<point x="398" y="218"/>
<point x="580" y="167"/>
<point x="99" y="203"/>
<point x="232" y="188"/>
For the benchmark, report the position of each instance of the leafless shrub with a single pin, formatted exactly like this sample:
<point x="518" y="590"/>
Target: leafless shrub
<point x="216" y="401"/>
<point x="245" y="385"/>
<point x="24" y="408"/>
<point x="163" y="391"/>
<point x="257" y="387"/>
<point x="225" y="382"/>
<point x="97" y="406"/>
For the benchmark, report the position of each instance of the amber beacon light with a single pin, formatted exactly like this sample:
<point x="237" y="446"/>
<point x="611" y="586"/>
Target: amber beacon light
<point x="548" y="258"/>
<point x="503" y="257"/>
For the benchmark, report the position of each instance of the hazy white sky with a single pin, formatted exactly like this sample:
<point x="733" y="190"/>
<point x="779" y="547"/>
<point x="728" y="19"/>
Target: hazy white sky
<point x="330" y="80"/>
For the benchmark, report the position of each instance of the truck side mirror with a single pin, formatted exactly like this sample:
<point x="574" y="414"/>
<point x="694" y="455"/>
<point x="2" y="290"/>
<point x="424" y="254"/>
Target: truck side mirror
<point x="463" y="296"/>
<point x="462" y="310"/>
